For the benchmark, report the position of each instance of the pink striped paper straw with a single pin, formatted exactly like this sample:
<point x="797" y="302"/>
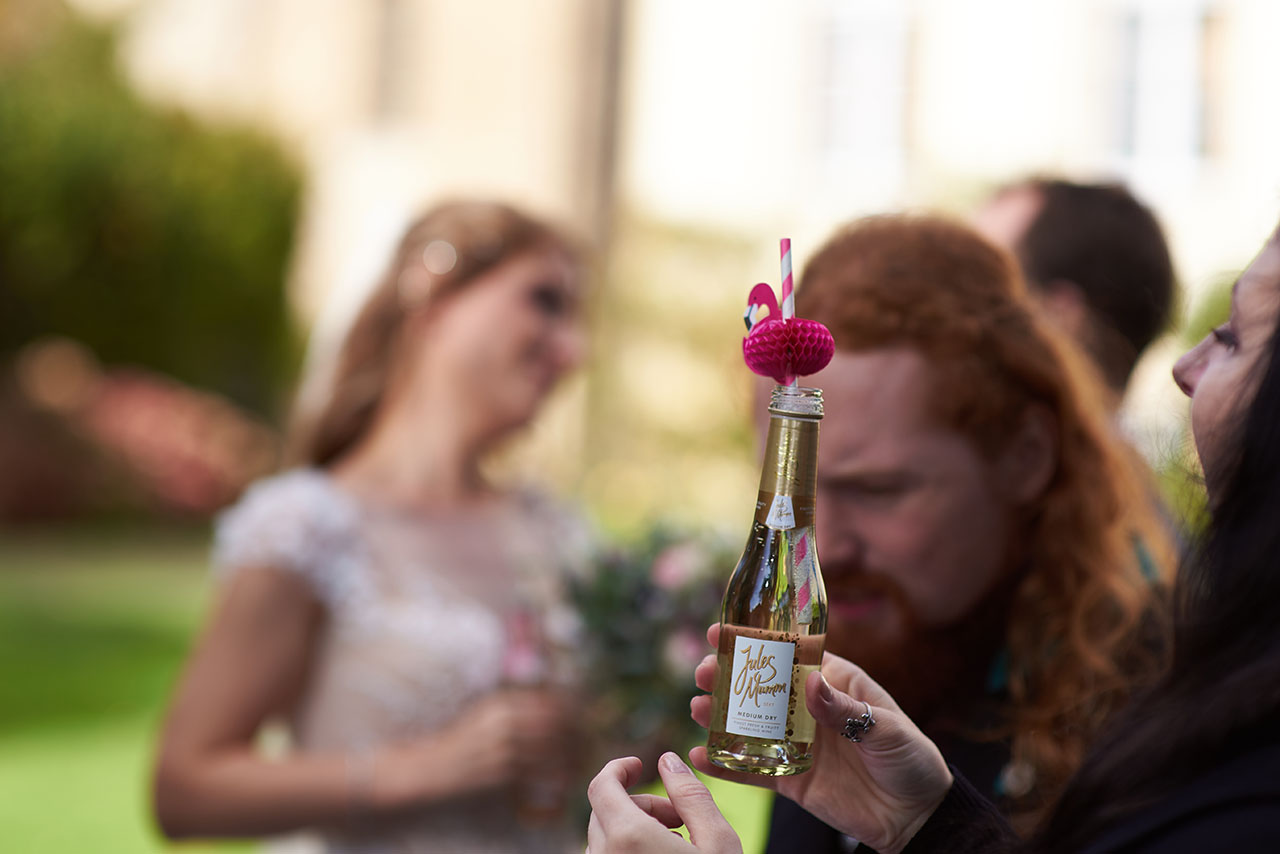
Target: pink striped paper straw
<point x="788" y="297"/>
<point x="788" y="292"/>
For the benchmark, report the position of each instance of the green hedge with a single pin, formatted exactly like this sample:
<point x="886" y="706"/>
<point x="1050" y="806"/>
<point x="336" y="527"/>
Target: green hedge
<point x="154" y="240"/>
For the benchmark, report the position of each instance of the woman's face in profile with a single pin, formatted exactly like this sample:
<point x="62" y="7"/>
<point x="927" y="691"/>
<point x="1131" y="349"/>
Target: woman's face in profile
<point x="502" y="342"/>
<point x="1218" y="373"/>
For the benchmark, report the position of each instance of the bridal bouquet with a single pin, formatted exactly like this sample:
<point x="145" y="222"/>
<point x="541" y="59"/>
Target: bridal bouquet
<point x="645" y="612"/>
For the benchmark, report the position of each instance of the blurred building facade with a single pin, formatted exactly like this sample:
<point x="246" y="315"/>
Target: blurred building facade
<point x="394" y="103"/>
<point x="772" y="120"/>
<point x="684" y="138"/>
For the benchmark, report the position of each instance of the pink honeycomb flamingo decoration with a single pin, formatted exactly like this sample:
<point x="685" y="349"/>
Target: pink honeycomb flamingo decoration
<point x="783" y="348"/>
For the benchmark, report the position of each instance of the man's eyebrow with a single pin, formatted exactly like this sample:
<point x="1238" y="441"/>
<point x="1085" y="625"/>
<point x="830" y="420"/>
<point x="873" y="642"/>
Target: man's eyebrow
<point x="861" y="475"/>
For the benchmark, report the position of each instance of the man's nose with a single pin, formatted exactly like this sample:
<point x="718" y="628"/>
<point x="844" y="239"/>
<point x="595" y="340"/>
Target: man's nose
<point x="839" y="549"/>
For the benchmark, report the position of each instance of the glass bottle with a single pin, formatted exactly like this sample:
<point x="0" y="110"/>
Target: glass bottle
<point x="773" y="621"/>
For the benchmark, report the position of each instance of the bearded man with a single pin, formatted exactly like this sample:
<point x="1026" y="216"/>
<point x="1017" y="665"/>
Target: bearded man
<point x="990" y="551"/>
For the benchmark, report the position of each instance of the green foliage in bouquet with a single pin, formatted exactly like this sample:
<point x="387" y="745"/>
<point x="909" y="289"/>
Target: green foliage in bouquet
<point x="152" y="239"/>
<point x="645" y="611"/>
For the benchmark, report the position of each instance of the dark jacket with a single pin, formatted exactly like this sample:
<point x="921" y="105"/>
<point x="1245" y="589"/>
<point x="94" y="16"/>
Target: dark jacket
<point x="1234" y="808"/>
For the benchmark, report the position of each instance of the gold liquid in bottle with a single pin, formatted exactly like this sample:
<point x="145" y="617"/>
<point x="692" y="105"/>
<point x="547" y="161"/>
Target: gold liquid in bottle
<point x="773" y="621"/>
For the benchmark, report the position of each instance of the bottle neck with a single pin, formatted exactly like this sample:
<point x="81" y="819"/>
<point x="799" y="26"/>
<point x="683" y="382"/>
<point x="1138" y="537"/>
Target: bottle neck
<point x="788" y="478"/>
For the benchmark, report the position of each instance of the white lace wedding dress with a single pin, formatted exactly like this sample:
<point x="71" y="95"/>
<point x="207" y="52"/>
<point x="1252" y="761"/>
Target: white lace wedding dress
<point x="416" y="633"/>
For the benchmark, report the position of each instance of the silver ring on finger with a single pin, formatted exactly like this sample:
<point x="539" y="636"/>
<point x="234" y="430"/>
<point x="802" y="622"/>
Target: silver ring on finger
<point x="856" y="728"/>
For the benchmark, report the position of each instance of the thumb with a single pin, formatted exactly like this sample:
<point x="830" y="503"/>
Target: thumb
<point x="708" y="830"/>
<point x="829" y="707"/>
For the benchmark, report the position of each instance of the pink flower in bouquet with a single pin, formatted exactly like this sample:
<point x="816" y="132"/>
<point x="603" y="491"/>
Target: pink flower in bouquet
<point x="676" y="567"/>
<point x="682" y="651"/>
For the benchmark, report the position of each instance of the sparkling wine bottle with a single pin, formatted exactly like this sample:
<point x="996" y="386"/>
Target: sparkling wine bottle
<point x="773" y="621"/>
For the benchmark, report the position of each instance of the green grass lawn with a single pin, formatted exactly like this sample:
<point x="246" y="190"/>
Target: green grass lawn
<point x="93" y="629"/>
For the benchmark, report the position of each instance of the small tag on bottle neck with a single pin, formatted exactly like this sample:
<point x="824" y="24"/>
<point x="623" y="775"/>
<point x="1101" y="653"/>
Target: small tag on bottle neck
<point x="782" y="514"/>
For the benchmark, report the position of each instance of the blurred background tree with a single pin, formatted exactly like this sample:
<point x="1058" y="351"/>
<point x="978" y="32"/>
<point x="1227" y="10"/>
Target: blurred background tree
<point x="146" y="340"/>
<point x="149" y="238"/>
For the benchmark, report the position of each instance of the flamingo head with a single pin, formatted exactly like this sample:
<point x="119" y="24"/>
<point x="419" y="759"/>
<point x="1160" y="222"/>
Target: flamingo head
<point x="761" y="296"/>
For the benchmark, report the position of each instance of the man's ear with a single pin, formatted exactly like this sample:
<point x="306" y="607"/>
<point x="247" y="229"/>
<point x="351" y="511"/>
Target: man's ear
<point x="1027" y="464"/>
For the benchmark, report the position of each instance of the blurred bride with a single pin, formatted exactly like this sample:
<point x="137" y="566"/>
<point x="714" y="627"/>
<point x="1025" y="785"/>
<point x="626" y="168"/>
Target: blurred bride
<point x="402" y="613"/>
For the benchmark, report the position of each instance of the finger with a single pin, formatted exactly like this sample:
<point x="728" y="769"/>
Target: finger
<point x="698" y="759"/>
<point x="595" y="835"/>
<point x="700" y="710"/>
<point x="832" y="708"/>
<point x="660" y="808"/>
<point x="607" y="792"/>
<point x="539" y="703"/>
<point x="708" y="829"/>
<point x="538" y="764"/>
<point x="538" y="737"/>
<point x="856" y="682"/>
<point x="713" y="635"/>
<point x="546" y="721"/>
<point x="704" y="675"/>
<point x="546" y="718"/>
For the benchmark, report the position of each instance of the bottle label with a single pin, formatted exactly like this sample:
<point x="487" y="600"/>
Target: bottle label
<point x="783" y="511"/>
<point x="761" y="687"/>
<point x="782" y="515"/>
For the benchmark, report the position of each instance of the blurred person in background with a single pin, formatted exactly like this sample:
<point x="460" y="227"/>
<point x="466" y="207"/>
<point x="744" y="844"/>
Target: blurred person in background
<point x="989" y="552"/>
<point x="1096" y="260"/>
<point x="1189" y="766"/>
<point x="404" y="615"/>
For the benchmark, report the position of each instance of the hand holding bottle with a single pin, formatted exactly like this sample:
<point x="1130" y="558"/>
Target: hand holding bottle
<point x="880" y="790"/>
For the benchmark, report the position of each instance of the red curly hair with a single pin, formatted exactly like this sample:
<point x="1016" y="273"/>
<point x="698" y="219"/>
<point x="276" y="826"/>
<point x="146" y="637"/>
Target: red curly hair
<point x="1086" y="623"/>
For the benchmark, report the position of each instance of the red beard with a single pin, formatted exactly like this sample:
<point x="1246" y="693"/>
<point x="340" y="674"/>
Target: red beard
<point x="934" y="673"/>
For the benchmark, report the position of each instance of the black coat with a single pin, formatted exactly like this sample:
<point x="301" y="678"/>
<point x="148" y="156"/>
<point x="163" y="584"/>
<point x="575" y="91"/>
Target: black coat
<point x="1234" y="808"/>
